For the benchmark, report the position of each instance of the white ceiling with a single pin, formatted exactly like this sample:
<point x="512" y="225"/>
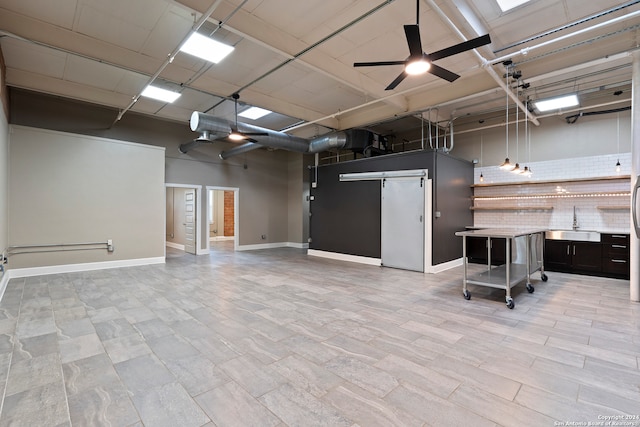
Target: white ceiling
<point x="296" y="57"/>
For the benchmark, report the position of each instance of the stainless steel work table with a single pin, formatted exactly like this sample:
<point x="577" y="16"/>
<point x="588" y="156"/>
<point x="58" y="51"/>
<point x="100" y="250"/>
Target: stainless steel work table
<point x="510" y="274"/>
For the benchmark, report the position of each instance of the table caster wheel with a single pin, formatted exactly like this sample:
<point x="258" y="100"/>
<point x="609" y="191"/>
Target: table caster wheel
<point x="530" y="288"/>
<point x="544" y="277"/>
<point x="466" y="295"/>
<point x="510" y="304"/>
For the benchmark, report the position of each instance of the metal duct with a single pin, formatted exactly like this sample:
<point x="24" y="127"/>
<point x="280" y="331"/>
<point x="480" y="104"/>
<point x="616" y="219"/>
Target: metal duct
<point x="203" y="122"/>
<point x="239" y="150"/>
<point x="184" y="148"/>
<point x="328" y="141"/>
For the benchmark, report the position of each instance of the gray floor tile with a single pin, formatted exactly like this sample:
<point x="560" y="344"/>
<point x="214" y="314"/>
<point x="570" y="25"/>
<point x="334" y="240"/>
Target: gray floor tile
<point x="231" y="405"/>
<point x="169" y="405"/>
<point x="297" y="408"/>
<point x="276" y="338"/>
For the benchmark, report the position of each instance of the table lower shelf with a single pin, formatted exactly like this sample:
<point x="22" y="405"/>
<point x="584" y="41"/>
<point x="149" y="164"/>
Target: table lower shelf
<point x="496" y="277"/>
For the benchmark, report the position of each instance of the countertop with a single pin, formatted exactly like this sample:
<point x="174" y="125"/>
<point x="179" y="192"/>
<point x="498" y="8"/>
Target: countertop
<point x="500" y="232"/>
<point x="602" y="230"/>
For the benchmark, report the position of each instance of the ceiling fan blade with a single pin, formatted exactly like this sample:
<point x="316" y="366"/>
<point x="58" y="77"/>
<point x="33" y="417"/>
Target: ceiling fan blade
<point x="250" y="140"/>
<point x="375" y="64"/>
<point x="255" y="133"/>
<point x="397" y="81"/>
<point x="460" y="47"/>
<point x="413" y="40"/>
<point x="443" y="73"/>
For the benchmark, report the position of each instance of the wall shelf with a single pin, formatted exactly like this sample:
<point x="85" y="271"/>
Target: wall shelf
<point x="614" y="208"/>
<point x="534" y="196"/>
<point x="511" y="208"/>
<point x="555" y="181"/>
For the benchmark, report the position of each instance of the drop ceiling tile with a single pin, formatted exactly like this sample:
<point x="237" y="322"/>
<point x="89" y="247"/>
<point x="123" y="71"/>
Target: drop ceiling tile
<point x="95" y="23"/>
<point x="171" y="29"/>
<point x="142" y="13"/>
<point x="60" y="12"/>
<point x="92" y="73"/>
<point x="131" y="83"/>
<point x="30" y="57"/>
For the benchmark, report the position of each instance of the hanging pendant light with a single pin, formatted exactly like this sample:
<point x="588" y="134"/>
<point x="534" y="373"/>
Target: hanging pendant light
<point x="506" y="165"/>
<point x="618" y="166"/>
<point x="481" y="141"/>
<point x="525" y="171"/>
<point x="516" y="169"/>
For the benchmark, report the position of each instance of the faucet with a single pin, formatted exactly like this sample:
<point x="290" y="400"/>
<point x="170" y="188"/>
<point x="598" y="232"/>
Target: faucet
<point x="575" y="219"/>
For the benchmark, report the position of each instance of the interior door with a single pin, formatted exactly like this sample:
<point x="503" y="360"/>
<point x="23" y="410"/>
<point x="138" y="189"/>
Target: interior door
<point x="403" y="223"/>
<point x="190" y="221"/>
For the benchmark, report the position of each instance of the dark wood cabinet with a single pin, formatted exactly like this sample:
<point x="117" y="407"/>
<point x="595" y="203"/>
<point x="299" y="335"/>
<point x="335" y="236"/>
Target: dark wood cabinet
<point x="557" y="255"/>
<point x="586" y="257"/>
<point x="572" y="257"/>
<point x="609" y="257"/>
<point x="615" y="255"/>
<point x="477" y="250"/>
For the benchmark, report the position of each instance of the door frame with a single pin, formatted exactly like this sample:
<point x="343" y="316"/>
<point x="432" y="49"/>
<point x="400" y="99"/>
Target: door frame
<point x="236" y="215"/>
<point x="198" y="189"/>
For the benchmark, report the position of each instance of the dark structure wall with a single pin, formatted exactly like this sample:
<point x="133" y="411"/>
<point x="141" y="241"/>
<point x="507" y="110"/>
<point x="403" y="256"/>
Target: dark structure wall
<point x="346" y="217"/>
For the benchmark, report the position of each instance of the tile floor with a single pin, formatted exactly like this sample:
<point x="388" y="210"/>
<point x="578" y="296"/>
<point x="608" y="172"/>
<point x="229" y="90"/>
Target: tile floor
<point x="274" y="338"/>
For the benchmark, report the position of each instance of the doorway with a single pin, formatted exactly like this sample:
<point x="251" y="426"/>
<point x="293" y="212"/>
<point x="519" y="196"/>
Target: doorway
<point x="182" y="220"/>
<point x="222" y="217"/>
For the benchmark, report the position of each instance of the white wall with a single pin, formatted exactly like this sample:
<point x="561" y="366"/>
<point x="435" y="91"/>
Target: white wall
<point x="553" y="139"/>
<point x="69" y="188"/>
<point x="4" y="180"/>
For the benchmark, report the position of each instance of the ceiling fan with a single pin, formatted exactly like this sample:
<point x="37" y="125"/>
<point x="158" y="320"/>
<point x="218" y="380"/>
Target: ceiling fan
<point x="420" y="62"/>
<point x="236" y="135"/>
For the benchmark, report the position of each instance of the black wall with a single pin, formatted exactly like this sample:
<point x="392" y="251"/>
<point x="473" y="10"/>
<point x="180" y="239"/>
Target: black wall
<point x="345" y="216"/>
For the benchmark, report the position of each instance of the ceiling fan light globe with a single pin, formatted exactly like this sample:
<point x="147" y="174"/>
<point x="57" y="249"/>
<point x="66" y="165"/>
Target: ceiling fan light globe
<point x="420" y="66"/>
<point x="234" y="136"/>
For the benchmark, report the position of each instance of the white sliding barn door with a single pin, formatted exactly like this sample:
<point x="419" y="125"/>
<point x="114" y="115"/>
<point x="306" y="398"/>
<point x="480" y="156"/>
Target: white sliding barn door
<point x="403" y="223"/>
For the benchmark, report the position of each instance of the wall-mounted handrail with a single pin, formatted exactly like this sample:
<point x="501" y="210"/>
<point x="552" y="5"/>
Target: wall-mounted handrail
<point x="58" y="247"/>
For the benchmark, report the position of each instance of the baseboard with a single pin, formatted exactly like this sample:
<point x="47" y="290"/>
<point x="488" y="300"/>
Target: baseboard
<point x="175" y="245"/>
<point x="344" y="257"/>
<point x="297" y="245"/>
<point x="3" y="283"/>
<point x="272" y="246"/>
<point x="438" y="268"/>
<point x="221" y="238"/>
<point x="73" y="268"/>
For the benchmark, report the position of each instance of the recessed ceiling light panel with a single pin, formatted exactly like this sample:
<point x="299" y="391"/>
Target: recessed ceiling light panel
<point x="206" y="48"/>
<point x="506" y="5"/>
<point x="160" y="94"/>
<point x="557" y="103"/>
<point x="254" y="113"/>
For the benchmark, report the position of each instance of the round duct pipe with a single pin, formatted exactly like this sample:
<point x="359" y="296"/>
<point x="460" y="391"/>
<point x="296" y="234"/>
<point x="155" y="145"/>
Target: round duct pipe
<point x="327" y="142"/>
<point x="201" y="122"/>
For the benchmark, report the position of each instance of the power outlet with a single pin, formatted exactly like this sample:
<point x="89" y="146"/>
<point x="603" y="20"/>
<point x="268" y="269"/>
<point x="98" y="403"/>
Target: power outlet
<point x="109" y="245"/>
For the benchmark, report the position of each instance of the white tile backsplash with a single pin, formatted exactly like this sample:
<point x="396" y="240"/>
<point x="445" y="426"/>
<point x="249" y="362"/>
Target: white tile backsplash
<point x="589" y="210"/>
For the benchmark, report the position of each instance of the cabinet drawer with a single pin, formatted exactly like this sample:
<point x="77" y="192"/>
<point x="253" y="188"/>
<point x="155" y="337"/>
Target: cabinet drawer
<point x="620" y="239"/>
<point x="613" y="249"/>
<point x="618" y="266"/>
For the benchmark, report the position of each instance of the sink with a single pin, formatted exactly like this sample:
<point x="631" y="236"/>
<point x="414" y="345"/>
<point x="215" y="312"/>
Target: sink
<point x="576" y="235"/>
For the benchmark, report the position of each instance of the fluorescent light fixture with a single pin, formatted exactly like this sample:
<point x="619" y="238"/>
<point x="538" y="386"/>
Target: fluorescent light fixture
<point x="160" y="94"/>
<point x="510" y="4"/>
<point x="206" y="48"/>
<point x="557" y="103"/>
<point x="254" y="113"/>
<point x="369" y="176"/>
